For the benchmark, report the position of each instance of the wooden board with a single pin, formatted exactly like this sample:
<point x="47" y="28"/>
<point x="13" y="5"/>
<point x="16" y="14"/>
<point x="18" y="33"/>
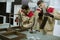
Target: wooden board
<point x="12" y="35"/>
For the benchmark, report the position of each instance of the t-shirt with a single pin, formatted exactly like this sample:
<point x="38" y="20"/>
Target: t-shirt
<point x="50" y="10"/>
<point x="30" y="14"/>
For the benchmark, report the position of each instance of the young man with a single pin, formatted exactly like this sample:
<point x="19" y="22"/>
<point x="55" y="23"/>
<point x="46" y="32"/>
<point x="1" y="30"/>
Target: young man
<point x="38" y="15"/>
<point x="46" y="17"/>
<point x="27" y="16"/>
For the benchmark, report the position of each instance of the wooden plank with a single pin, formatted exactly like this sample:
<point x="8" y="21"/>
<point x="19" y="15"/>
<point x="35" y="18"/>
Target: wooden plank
<point x="11" y="36"/>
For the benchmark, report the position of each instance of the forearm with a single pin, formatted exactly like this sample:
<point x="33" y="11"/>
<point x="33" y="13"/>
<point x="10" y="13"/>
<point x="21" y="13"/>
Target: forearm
<point x="56" y="15"/>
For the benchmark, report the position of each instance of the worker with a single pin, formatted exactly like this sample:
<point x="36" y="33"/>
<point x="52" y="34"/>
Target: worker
<point x="27" y="16"/>
<point x="45" y="18"/>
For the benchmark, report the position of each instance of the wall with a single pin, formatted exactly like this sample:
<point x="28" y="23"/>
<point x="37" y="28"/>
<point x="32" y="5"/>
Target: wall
<point x="16" y="9"/>
<point x="6" y="8"/>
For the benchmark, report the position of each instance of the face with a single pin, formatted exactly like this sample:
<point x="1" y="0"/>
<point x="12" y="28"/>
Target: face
<point x="42" y="5"/>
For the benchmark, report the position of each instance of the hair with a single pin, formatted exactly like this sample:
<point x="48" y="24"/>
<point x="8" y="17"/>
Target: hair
<point x="26" y="7"/>
<point x="39" y="2"/>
